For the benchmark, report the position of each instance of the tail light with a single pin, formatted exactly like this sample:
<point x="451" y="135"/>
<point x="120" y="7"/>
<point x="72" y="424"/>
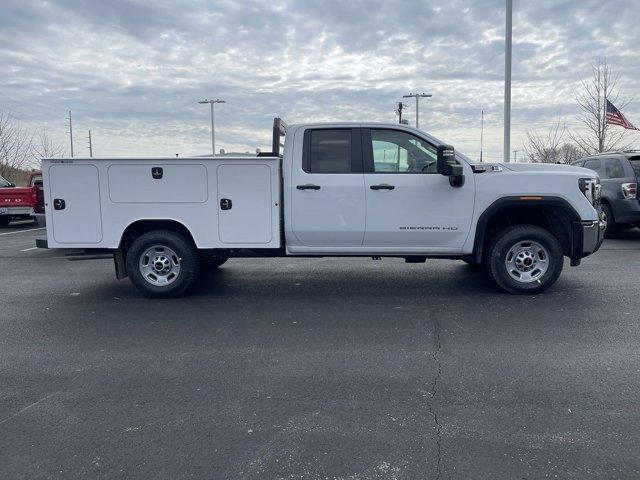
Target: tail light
<point x="629" y="190"/>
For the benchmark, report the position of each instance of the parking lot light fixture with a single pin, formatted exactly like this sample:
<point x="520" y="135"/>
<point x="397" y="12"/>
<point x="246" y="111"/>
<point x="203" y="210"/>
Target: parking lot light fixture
<point x="213" y="134"/>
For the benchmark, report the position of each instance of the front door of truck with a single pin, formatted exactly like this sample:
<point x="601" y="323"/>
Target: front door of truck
<point x="409" y="204"/>
<point x="327" y="189"/>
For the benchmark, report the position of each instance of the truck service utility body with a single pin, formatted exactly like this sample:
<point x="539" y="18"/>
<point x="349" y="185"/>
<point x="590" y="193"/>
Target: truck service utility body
<point x="91" y="202"/>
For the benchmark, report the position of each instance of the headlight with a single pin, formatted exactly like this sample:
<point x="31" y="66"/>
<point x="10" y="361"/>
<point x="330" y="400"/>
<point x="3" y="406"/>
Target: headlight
<point x="590" y="188"/>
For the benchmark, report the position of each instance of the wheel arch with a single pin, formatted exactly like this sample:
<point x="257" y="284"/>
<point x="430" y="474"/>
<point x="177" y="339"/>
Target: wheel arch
<point x="140" y="227"/>
<point x="608" y="203"/>
<point x="552" y="213"/>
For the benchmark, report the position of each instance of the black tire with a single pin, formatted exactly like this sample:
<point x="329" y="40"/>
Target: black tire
<point x="510" y="238"/>
<point x="612" y="228"/>
<point x="5" y="220"/>
<point x="186" y="258"/>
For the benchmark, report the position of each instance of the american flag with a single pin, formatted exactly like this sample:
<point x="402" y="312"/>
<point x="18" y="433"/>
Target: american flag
<point x="615" y="117"/>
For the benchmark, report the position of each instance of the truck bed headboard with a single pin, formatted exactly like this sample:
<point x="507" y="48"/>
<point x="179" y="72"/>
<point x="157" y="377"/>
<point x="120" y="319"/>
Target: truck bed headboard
<point x="279" y="131"/>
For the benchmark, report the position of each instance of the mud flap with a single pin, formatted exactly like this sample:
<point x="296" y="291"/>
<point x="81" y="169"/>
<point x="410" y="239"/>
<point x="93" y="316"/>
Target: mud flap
<point x="118" y="261"/>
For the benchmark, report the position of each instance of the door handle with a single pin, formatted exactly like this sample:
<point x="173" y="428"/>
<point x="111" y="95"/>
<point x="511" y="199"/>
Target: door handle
<point x="308" y="186"/>
<point x="225" y="204"/>
<point x="382" y="186"/>
<point x="59" y="204"/>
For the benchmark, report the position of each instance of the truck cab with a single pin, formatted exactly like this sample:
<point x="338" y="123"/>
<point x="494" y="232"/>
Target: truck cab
<point x="371" y="189"/>
<point x="339" y="189"/>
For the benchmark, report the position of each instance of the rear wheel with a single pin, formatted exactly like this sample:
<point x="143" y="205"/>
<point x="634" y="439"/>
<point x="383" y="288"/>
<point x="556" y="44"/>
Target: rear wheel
<point x="524" y="259"/>
<point x="162" y="263"/>
<point x="612" y="229"/>
<point x="5" y="219"/>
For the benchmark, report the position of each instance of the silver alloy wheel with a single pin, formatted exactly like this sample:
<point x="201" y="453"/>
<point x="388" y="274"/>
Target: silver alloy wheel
<point x="603" y="219"/>
<point x="159" y="265"/>
<point x="527" y="261"/>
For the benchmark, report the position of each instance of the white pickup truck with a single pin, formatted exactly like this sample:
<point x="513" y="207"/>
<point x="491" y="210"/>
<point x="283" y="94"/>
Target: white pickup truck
<point x="342" y="189"/>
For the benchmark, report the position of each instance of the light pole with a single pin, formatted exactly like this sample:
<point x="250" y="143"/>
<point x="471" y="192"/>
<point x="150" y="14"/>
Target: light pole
<point x="213" y="133"/>
<point x="507" y="80"/>
<point x="481" y="131"/>
<point x="70" y="132"/>
<point x="417" y="97"/>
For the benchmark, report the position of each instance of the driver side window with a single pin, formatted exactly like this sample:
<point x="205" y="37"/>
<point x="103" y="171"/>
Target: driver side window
<point x="395" y="151"/>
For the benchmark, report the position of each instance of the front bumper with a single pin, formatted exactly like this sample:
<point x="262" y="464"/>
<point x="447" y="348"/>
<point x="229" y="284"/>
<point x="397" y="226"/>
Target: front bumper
<point x="592" y="236"/>
<point x="587" y="237"/>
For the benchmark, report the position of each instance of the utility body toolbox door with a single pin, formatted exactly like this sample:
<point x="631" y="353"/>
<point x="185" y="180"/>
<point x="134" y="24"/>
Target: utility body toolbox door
<point x="74" y="203"/>
<point x="245" y="195"/>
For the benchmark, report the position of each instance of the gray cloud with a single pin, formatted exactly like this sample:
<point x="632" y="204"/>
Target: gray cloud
<point x="132" y="71"/>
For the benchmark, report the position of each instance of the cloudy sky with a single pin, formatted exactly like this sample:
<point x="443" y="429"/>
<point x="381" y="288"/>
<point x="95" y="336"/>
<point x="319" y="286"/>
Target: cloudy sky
<point x="133" y="71"/>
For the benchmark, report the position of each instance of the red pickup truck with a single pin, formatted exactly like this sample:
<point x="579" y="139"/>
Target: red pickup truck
<point x="21" y="203"/>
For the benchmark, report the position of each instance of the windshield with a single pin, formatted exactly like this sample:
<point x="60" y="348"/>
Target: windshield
<point x="4" y="183"/>
<point x="635" y="164"/>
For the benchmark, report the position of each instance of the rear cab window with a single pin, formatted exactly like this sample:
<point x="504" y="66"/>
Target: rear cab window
<point x="36" y="181"/>
<point x="332" y="150"/>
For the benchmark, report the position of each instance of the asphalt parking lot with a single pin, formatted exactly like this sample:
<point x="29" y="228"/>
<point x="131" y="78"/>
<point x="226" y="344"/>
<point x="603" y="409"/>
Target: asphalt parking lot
<point x="319" y="368"/>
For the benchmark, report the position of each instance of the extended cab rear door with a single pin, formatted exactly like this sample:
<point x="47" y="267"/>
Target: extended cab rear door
<point x="327" y="188"/>
<point x="409" y="204"/>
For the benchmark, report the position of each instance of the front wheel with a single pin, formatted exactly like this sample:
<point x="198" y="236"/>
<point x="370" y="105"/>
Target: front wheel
<point x="5" y="220"/>
<point x="162" y="263"/>
<point x="524" y="259"/>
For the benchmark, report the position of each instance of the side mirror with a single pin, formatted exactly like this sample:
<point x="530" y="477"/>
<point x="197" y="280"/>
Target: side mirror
<point x="447" y="165"/>
<point x="445" y="160"/>
<point x="11" y="184"/>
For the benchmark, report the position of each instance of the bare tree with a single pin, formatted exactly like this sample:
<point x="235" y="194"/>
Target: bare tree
<point x="591" y="98"/>
<point x="45" y="147"/>
<point x="545" y="148"/>
<point x="569" y="152"/>
<point x="16" y="146"/>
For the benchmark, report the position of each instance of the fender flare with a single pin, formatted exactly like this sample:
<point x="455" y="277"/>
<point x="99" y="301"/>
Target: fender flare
<point x="530" y="200"/>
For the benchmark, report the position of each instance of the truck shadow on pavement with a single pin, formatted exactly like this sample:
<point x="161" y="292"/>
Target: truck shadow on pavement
<point x="19" y="225"/>
<point x="329" y="284"/>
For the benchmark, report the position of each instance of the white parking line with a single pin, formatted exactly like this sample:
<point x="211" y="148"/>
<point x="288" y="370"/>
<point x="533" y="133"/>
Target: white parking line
<point x="28" y="249"/>
<point x="21" y="231"/>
